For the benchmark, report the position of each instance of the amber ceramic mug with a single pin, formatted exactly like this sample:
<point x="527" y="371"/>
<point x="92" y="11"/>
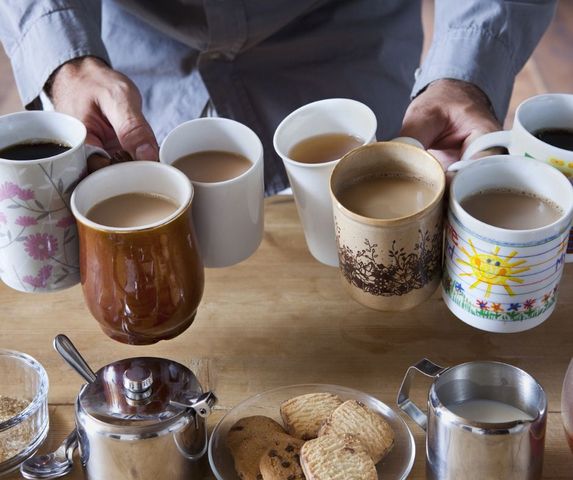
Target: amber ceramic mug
<point x="142" y="284"/>
<point x="391" y="263"/>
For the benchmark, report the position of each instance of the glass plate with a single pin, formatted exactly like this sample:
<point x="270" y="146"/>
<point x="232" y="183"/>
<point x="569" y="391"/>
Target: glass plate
<point x="395" y="466"/>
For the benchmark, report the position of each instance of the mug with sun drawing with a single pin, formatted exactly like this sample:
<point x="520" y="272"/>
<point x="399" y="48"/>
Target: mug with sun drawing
<point x="505" y="279"/>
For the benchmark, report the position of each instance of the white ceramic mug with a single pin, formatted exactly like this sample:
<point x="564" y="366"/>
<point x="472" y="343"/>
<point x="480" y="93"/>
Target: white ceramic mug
<point x="228" y="215"/>
<point x="38" y="237"/>
<point x="497" y="279"/>
<point x="551" y="110"/>
<point x="310" y="181"/>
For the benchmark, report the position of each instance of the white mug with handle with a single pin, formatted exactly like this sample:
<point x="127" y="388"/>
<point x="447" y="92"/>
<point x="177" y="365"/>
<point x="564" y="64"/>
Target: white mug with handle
<point x="542" y="112"/>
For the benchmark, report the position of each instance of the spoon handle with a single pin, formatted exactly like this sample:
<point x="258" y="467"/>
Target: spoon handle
<point x="70" y="354"/>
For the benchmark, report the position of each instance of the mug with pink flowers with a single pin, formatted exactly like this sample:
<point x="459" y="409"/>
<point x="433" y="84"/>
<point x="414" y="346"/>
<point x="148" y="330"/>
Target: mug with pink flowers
<point x="38" y="237"/>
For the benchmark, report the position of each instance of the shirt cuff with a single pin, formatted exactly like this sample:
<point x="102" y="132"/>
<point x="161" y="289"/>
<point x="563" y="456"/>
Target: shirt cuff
<point x="474" y="56"/>
<point x="52" y="40"/>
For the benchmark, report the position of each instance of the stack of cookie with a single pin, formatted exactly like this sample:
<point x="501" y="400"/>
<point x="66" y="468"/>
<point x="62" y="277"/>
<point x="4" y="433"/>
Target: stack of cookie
<point x="324" y="438"/>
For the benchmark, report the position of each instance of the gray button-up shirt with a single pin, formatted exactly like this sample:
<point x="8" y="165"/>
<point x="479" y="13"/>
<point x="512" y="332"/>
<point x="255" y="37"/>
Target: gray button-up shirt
<point x="258" y="60"/>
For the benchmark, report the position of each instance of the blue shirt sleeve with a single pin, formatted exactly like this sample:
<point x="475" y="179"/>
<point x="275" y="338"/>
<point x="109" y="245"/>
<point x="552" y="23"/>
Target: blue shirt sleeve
<point x="41" y="35"/>
<point x="485" y="43"/>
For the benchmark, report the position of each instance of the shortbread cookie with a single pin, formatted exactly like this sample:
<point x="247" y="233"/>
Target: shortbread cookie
<point x="366" y="425"/>
<point x="336" y="457"/>
<point x="248" y="439"/>
<point x="304" y="415"/>
<point x="282" y="462"/>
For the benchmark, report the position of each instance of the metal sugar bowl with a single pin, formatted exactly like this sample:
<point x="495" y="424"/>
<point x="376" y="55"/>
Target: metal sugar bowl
<point x="138" y="418"/>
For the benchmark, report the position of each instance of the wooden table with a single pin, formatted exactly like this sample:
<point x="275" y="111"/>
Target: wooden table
<point x="281" y="318"/>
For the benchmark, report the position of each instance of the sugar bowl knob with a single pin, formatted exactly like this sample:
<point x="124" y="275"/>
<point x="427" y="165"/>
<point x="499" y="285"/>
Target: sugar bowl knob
<point x="137" y="382"/>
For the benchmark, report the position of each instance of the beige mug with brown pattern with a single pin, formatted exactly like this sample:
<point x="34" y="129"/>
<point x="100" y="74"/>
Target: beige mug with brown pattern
<point x="388" y="211"/>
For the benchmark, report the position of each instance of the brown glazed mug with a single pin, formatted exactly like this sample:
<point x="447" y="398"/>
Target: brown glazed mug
<point x="389" y="264"/>
<point x="142" y="284"/>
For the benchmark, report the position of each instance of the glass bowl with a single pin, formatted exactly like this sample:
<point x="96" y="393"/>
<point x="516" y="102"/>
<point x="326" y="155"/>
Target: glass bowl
<point x="22" y="379"/>
<point x="395" y="466"/>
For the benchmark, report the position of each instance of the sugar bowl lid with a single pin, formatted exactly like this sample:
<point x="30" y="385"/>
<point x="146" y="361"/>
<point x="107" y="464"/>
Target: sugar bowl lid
<point x="143" y="391"/>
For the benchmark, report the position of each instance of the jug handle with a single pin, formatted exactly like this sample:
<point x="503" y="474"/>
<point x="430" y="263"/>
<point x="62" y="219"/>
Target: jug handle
<point x="427" y="368"/>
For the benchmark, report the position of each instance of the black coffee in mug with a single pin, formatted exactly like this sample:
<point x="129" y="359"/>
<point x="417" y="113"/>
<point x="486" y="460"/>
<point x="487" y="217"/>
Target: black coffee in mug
<point x="558" y="137"/>
<point x="33" y="150"/>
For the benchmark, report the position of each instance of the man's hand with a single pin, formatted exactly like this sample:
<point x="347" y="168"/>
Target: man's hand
<point x="109" y="105"/>
<point x="447" y="117"/>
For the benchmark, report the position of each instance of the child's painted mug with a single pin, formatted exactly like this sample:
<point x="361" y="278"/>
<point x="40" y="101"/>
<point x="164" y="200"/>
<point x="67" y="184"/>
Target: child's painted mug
<point x="502" y="280"/>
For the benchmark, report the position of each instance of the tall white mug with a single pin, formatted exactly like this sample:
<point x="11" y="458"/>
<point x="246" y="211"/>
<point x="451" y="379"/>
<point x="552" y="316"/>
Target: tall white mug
<point x="227" y="215"/>
<point x="310" y="181"/>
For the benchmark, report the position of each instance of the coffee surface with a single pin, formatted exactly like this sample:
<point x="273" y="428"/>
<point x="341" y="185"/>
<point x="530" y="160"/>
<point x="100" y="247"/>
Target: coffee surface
<point x="33" y="150"/>
<point x="212" y="166"/>
<point x="511" y="209"/>
<point x="131" y="210"/>
<point x="489" y="411"/>
<point x="324" y="148"/>
<point x="385" y="197"/>
<point x="558" y="137"/>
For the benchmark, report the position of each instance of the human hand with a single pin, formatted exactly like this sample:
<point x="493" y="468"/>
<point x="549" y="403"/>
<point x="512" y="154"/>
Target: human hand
<point x="447" y="117"/>
<point x="109" y="105"/>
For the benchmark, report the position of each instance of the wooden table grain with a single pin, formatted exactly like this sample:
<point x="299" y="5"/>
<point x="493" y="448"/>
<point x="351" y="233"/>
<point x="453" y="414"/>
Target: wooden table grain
<point x="282" y="318"/>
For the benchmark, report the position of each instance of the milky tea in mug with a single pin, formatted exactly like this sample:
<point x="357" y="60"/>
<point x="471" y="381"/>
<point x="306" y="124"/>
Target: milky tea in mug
<point x="387" y="205"/>
<point x="506" y="240"/>
<point x="132" y="210"/>
<point x="212" y="165"/>
<point x="224" y="161"/>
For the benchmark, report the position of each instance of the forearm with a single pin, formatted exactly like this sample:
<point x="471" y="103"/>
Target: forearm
<point x="484" y="43"/>
<point x="39" y="36"/>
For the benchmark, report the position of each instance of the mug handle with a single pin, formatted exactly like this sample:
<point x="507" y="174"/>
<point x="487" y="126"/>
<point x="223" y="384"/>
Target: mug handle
<point x="93" y="150"/>
<point x="427" y="368"/>
<point x="485" y="142"/>
<point x="409" y="141"/>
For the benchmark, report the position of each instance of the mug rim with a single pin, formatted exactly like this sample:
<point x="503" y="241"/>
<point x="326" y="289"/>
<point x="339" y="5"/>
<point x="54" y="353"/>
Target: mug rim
<point x="436" y="199"/>
<point x="442" y="408"/>
<point x="289" y="118"/>
<point x="536" y="141"/>
<point x="215" y="120"/>
<point x="80" y="217"/>
<point x="492" y="231"/>
<point x="53" y="158"/>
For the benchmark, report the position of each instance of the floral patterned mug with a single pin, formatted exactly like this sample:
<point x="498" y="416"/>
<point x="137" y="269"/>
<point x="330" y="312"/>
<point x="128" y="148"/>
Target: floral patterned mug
<point x="502" y="280"/>
<point x="390" y="264"/>
<point x="38" y="238"/>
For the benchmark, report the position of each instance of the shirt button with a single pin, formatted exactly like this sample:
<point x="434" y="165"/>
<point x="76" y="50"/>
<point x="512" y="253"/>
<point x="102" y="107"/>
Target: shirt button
<point x="214" y="56"/>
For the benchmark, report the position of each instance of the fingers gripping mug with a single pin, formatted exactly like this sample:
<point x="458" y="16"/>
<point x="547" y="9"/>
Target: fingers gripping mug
<point x="38" y="236"/>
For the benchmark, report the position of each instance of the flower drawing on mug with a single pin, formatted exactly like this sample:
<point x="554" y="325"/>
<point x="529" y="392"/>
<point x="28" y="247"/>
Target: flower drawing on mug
<point x="41" y="246"/>
<point x="492" y="269"/>
<point x="403" y="272"/>
<point x="41" y="279"/>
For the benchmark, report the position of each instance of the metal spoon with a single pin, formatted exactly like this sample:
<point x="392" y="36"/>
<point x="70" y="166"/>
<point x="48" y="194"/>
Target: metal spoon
<point x="52" y="465"/>
<point x="70" y="354"/>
